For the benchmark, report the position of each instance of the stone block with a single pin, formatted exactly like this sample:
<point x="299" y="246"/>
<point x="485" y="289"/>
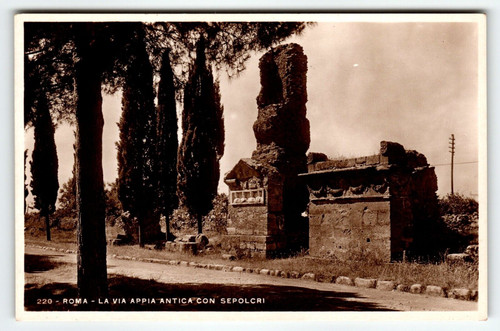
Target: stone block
<point x="238" y="269"/>
<point x="342" y="280"/>
<point x="184" y="263"/>
<point x="264" y="272"/>
<point x="416" y="289"/>
<point x="201" y="240"/>
<point x="188" y="247"/>
<point x="189" y="238"/>
<point x="459" y="257"/>
<point x="309" y="276"/>
<point x="459" y="293"/>
<point x="365" y="282"/>
<point x="436" y="291"/>
<point x="228" y="257"/>
<point x="284" y="274"/>
<point x="386" y="285"/>
<point x="294" y="274"/>
<point x="402" y="288"/>
<point x="472" y="250"/>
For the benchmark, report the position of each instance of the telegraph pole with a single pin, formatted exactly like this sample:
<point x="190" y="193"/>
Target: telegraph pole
<point x="452" y="151"/>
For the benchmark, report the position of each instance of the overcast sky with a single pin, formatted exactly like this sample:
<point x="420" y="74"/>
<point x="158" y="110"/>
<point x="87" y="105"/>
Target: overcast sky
<point x="412" y="83"/>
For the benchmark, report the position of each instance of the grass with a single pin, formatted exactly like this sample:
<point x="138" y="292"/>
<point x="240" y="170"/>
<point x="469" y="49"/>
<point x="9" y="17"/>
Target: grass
<point x="457" y="275"/>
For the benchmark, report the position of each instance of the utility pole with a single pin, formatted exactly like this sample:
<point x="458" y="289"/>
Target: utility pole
<point x="452" y="151"/>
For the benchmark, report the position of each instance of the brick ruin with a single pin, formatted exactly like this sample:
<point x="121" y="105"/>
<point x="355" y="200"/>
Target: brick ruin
<point x="381" y="206"/>
<point x="266" y="199"/>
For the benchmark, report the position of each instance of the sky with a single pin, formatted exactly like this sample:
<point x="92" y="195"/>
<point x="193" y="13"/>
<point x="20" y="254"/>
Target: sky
<point x="412" y="83"/>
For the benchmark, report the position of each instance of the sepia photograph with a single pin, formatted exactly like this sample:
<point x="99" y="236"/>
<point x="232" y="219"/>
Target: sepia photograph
<point x="284" y="163"/>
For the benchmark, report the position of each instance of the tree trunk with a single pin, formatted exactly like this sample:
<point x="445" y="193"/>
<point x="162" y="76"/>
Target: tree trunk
<point x="167" y="228"/>
<point x="47" y="225"/>
<point x="92" y="273"/>
<point x="199" y="220"/>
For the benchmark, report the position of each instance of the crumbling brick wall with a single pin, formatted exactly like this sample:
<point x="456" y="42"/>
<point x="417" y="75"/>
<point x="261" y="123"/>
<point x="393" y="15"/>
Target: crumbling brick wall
<point x="282" y="134"/>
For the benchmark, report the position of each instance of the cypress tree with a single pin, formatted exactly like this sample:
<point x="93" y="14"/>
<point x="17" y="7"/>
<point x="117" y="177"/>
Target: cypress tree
<point x="202" y="142"/>
<point x="137" y="180"/>
<point x="44" y="164"/>
<point x="167" y="144"/>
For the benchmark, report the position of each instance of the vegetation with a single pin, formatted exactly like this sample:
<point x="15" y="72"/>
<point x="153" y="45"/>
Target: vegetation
<point x="459" y="221"/>
<point x="82" y="59"/>
<point x="44" y="164"/>
<point x="167" y="144"/>
<point x="457" y="204"/>
<point x="137" y="176"/>
<point x="456" y="275"/>
<point x="202" y="141"/>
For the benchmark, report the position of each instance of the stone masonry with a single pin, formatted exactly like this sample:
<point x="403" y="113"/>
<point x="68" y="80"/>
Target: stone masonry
<point x="266" y="198"/>
<point x="381" y="206"/>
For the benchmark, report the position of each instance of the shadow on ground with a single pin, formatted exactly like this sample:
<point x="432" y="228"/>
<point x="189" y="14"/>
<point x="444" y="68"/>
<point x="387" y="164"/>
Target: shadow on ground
<point x="40" y="263"/>
<point x="134" y="294"/>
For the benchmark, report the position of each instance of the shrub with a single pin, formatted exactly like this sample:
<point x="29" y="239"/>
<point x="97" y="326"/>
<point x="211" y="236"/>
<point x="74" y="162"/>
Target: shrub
<point x="457" y="204"/>
<point x="216" y="220"/>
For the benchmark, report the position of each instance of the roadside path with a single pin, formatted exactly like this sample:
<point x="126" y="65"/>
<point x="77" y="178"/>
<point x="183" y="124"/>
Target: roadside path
<point x="217" y="290"/>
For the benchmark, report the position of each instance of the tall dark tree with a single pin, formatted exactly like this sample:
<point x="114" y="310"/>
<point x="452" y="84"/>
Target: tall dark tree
<point x="167" y="144"/>
<point x="44" y="164"/>
<point x="137" y="178"/>
<point x="200" y="150"/>
<point x="90" y="56"/>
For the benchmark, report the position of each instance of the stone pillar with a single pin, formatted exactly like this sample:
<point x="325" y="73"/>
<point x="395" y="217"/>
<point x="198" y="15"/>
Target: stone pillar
<point x="282" y="134"/>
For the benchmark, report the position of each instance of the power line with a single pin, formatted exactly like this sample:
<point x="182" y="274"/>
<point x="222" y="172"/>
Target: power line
<point x="446" y="164"/>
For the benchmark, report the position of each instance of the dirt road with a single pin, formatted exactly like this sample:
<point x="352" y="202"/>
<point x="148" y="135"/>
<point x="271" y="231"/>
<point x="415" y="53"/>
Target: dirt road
<point x="50" y="284"/>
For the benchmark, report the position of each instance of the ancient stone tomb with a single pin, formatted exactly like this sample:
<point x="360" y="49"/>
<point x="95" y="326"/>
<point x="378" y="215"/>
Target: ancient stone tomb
<point x="379" y="206"/>
<point x="266" y="198"/>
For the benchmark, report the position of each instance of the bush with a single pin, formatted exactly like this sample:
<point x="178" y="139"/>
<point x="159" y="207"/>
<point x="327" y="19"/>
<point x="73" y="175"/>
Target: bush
<point x="457" y="204"/>
<point x="459" y="219"/>
<point x="216" y="220"/>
